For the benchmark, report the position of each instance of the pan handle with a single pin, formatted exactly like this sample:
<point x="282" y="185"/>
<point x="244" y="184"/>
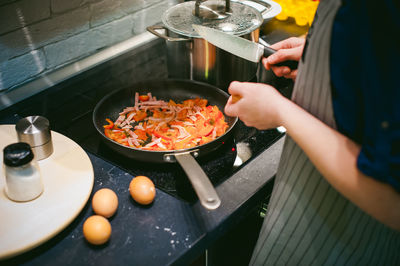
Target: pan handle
<point x="153" y="29"/>
<point x="204" y="189"/>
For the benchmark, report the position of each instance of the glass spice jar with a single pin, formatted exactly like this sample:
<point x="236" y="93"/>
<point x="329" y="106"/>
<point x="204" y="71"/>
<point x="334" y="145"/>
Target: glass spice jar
<point x="23" y="178"/>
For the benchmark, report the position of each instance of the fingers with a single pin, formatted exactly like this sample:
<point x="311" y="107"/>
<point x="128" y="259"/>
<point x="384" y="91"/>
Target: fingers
<point x="283" y="55"/>
<point x="285" y="72"/>
<point x="270" y="63"/>
<point x="292" y="75"/>
<point x="235" y="88"/>
<point x="230" y="108"/>
<point x="282" y="71"/>
<point x="291" y="42"/>
<point x="289" y="49"/>
<point x="281" y="45"/>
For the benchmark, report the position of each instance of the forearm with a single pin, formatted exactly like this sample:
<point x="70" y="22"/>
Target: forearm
<point x="335" y="156"/>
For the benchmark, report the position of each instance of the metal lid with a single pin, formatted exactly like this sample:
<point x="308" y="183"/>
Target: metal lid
<point x="241" y="19"/>
<point x="17" y="154"/>
<point x="34" y="130"/>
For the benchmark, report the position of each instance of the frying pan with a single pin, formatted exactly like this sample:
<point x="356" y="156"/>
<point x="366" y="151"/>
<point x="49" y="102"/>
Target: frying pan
<point x="177" y="90"/>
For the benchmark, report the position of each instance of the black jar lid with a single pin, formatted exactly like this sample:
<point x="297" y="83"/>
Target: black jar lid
<point x="17" y="154"/>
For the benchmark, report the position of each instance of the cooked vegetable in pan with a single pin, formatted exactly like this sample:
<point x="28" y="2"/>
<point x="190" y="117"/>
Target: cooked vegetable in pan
<point x="153" y="124"/>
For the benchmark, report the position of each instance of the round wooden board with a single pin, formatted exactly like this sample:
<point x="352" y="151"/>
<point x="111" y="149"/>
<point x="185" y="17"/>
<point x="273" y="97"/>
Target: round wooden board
<point x="68" y="181"/>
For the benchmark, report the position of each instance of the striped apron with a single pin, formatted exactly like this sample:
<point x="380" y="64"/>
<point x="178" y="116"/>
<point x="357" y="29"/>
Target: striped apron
<point x="308" y="221"/>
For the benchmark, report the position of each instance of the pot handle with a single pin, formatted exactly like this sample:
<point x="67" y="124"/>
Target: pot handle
<point x="204" y="189"/>
<point x="153" y="29"/>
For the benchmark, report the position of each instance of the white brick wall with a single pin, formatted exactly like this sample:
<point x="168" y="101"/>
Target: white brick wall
<point x="42" y="33"/>
<point x="59" y="6"/>
<point x="149" y="16"/>
<point x="86" y="42"/>
<point x="39" y="36"/>
<point x="31" y="64"/>
<point x="19" y="14"/>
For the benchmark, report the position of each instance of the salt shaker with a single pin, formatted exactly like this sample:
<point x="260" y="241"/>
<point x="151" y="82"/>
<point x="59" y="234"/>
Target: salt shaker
<point x="23" y="178"/>
<point x="35" y="130"/>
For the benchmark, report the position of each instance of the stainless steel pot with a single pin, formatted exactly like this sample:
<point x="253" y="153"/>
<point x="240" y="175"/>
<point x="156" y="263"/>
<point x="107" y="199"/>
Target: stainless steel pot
<point x="191" y="57"/>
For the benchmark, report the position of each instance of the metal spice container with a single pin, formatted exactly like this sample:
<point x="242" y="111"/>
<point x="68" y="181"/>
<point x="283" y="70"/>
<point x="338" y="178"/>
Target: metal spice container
<point x="35" y="130"/>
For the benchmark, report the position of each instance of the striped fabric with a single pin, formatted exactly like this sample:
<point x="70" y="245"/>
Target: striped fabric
<point x="308" y="221"/>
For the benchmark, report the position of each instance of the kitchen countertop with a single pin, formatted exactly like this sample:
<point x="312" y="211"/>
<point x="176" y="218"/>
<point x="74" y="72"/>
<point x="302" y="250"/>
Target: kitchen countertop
<point x="169" y="231"/>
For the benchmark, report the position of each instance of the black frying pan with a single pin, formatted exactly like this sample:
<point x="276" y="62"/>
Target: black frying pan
<point x="177" y="90"/>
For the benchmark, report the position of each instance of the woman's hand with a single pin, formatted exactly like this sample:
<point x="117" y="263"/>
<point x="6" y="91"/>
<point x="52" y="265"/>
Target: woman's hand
<point x="259" y="105"/>
<point x="334" y="154"/>
<point x="289" y="49"/>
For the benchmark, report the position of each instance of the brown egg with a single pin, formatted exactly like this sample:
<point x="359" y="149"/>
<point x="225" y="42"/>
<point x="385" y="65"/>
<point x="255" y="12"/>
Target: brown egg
<point x="142" y="190"/>
<point x="97" y="229"/>
<point x="105" y="202"/>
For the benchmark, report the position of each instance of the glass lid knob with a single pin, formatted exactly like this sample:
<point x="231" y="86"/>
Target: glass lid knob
<point x="213" y="10"/>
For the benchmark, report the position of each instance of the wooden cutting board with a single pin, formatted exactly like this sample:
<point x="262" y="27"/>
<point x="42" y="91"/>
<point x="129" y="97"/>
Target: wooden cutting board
<point x="68" y="181"/>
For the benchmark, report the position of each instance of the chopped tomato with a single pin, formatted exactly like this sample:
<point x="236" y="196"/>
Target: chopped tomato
<point x="141" y="134"/>
<point x="140" y="115"/>
<point x="189" y="103"/>
<point x="219" y="115"/>
<point x="202" y="102"/>
<point x="158" y="114"/>
<point x="175" y="122"/>
<point x="164" y="129"/>
<point x="183" y="144"/>
<point x="182" y="114"/>
<point x="144" y="98"/>
<point x="205" y="140"/>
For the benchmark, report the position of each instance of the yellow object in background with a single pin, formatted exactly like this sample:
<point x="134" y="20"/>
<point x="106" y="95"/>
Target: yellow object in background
<point x="302" y="11"/>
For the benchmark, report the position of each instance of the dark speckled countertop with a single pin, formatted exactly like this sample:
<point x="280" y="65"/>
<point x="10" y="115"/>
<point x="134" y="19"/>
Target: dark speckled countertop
<point x="169" y="231"/>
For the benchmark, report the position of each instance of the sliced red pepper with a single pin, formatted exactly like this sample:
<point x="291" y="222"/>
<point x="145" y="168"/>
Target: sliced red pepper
<point x="107" y="132"/>
<point x="110" y="124"/>
<point x="161" y="136"/>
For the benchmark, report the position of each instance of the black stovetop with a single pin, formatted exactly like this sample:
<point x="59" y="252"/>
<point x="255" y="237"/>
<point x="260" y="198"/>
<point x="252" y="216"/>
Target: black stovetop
<point x="73" y="118"/>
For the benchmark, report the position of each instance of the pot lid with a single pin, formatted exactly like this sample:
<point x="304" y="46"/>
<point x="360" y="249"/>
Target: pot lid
<point x="239" y="20"/>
